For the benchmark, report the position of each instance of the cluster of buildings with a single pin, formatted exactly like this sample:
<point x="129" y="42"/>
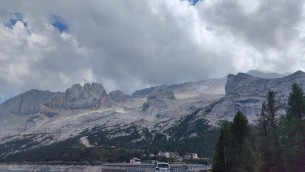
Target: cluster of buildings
<point x="176" y="156"/>
<point x="170" y="155"/>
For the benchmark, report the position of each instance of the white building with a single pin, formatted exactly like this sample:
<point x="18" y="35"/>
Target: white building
<point x="135" y="161"/>
<point x="164" y="154"/>
<point x="191" y="156"/>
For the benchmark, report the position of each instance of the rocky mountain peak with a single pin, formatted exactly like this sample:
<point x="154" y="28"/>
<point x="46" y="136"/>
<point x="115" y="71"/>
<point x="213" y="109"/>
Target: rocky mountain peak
<point x="26" y="103"/>
<point x="234" y="82"/>
<point x="90" y="96"/>
<point x="93" y="90"/>
<point x="298" y="74"/>
<point x="162" y="93"/>
<point x="246" y="93"/>
<point x="117" y="96"/>
<point x="87" y="97"/>
<point x="243" y="84"/>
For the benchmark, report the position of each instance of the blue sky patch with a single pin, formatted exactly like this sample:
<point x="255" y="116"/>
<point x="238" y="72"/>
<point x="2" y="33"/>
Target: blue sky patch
<point x="193" y="2"/>
<point x="60" y="24"/>
<point x="15" y="17"/>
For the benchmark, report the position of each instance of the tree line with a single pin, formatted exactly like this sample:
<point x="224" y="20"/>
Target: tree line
<point x="274" y="143"/>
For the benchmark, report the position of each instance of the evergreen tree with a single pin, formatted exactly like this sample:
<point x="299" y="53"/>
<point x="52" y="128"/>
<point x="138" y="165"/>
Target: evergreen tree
<point x="241" y="152"/>
<point x="295" y="130"/>
<point x="296" y="103"/>
<point x="222" y="146"/>
<point x="234" y="152"/>
<point x="240" y="127"/>
<point x="268" y="124"/>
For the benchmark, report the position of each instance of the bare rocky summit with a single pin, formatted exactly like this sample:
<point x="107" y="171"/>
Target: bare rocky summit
<point x="247" y="85"/>
<point x="26" y="103"/>
<point x="90" y="96"/>
<point x="246" y="93"/>
<point x="117" y="96"/>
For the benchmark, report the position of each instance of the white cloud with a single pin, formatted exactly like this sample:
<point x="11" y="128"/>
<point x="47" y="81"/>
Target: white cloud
<point x="131" y="44"/>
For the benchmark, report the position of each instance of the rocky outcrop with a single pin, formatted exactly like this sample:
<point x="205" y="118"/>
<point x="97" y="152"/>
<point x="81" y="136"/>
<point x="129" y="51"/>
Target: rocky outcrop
<point x="117" y="96"/>
<point x="247" y="85"/>
<point x="246" y="93"/>
<point x="143" y="93"/>
<point x="26" y="103"/>
<point x="243" y="84"/>
<point x="160" y="98"/>
<point x="90" y="96"/>
<point x="57" y="102"/>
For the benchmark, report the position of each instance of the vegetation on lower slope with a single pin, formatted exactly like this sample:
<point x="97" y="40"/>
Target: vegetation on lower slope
<point x="193" y="134"/>
<point x="71" y="150"/>
<point x="15" y="145"/>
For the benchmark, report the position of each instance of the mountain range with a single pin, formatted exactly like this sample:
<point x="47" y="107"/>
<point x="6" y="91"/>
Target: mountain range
<point x="178" y="115"/>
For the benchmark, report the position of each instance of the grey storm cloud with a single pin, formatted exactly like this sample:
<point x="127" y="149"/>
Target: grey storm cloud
<point x="129" y="44"/>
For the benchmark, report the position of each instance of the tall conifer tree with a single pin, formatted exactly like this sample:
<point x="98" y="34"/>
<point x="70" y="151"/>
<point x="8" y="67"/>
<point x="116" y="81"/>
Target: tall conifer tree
<point x="295" y="130"/>
<point x="268" y="124"/>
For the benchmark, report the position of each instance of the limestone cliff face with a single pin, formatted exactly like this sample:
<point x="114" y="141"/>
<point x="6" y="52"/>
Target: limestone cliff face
<point x="247" y="85"/>
<point x="246" y="93"/>
<point x="90" y="96"/>
<point x="26" y="103"/>
<point x="57" y="102"/>
<point x="243" y="84"/>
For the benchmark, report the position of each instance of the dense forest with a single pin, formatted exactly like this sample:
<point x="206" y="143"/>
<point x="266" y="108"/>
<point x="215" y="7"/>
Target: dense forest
<point x="274" y="143"/>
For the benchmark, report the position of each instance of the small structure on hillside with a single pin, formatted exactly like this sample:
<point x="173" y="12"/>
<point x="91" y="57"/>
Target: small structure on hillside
<point x="164" y="154"/>
<point x="191" y="156"/>
<point x="136" y="161"/>
<point x="173" y="155"/>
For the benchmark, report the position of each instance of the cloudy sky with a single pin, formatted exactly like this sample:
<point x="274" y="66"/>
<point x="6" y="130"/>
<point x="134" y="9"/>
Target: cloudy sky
<point x="133" y="44"/>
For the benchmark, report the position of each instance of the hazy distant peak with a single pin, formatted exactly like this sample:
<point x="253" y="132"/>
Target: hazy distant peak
<point x="265" y="74"/>
<point x="298" y="73"/>
<point x="246" y="75"/>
